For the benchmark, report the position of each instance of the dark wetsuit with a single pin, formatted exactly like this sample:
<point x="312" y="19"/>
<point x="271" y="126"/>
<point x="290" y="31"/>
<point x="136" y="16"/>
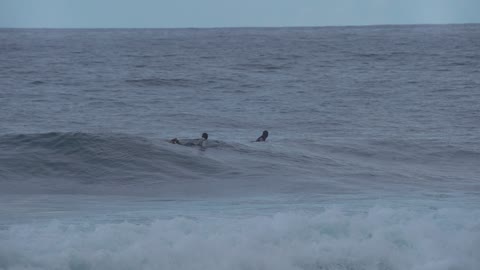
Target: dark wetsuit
<point x="260" y="139"/>
<point x="263" y="137"/>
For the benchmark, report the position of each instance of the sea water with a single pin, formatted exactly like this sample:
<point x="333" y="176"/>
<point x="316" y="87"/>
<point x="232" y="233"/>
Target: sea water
<point x="373" y="158"/>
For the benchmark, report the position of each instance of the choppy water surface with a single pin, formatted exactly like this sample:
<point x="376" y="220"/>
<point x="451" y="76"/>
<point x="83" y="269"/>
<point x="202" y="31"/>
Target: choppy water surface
<point x="373" y="159"/>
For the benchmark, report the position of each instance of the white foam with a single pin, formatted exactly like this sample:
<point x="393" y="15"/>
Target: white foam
<point x="380" y="238"/>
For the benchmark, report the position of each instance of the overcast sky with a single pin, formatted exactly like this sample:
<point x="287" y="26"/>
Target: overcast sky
<point x="232" y="13"/>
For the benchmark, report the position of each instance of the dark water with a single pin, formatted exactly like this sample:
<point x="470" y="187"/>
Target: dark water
<point x="374" y="145"/>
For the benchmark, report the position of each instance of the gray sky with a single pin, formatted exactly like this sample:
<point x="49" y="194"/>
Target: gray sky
<point x="232" y="13"/>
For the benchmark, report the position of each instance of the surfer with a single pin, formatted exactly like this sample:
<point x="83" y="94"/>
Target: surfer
<point x="199" y="142"/>
<point x="263" y="137"/>
<point x="203" y="141"/>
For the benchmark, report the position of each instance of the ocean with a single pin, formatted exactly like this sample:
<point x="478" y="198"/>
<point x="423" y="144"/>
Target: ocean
<point x="372" y="160"/>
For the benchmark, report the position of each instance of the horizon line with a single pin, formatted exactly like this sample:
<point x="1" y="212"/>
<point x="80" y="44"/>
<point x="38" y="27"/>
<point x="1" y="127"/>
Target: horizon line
<point x="236" y="27"/>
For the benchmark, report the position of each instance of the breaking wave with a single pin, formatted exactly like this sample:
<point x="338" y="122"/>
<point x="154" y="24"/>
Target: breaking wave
<point x="380" y="238"/>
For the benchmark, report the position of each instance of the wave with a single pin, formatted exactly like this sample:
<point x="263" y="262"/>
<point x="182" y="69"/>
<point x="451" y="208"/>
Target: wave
<point x="380" y="238"/>
<point x="86" y="154"/>
<point x="56" y="160"/>
<point x="96" y="157"/>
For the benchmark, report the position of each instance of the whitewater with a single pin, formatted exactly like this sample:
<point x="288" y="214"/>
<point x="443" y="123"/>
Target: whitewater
<point x="372" y="162"/>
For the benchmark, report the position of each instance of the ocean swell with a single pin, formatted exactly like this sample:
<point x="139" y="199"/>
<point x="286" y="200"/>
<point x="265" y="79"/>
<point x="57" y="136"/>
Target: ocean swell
<point x="96" y="157"/>
<point x="56" y="160"/>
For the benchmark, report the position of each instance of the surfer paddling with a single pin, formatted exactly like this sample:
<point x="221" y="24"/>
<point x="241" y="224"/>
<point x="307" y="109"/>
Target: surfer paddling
<point x="199" y="142"/>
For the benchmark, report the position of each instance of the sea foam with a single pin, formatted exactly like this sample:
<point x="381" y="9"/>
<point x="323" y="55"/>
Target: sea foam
<point x="379" y="238"/>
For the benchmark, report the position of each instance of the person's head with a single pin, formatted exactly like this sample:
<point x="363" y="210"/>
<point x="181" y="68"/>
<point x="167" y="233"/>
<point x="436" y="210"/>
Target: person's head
<point x="265" y="134"/>
<point x="205" y="136"/>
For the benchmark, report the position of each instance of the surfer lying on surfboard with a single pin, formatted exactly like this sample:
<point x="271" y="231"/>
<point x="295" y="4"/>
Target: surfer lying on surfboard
<point x="198" y="142"/>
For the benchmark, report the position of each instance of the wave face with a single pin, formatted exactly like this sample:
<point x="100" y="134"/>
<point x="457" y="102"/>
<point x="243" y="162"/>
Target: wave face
<point x="90" y="156"/>
<point x="59" y="162"/>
